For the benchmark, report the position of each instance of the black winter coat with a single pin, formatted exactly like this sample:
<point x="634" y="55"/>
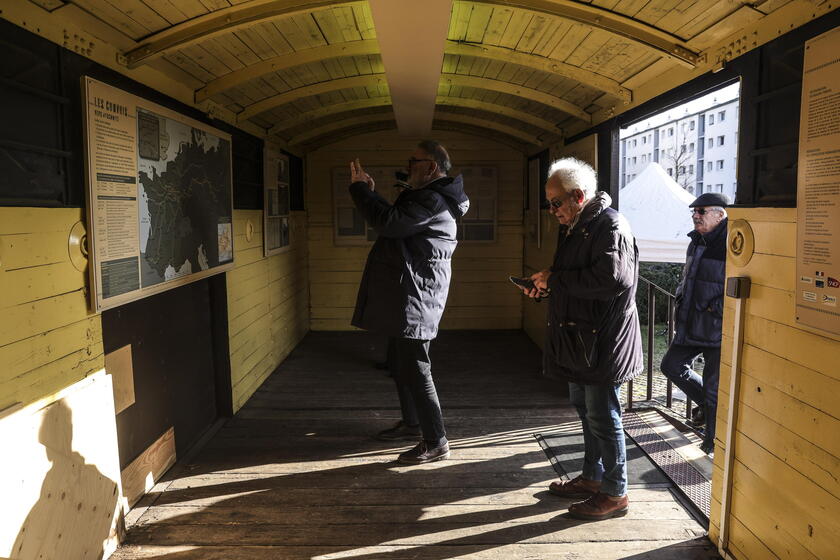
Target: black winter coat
<point x="593" y="334"/>
<point x="699" y="315"/>
<point x="406" y="279"/>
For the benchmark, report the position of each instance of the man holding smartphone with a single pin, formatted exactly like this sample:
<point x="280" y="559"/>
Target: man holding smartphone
<point x="593" y="339"/>
<point x="406" y="282"/>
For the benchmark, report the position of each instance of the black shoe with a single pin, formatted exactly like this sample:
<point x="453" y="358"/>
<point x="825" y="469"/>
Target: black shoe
<point x="698" y="418"/>
<point x="708" y="449"/>
<point x="421" y="453"/>
<point x="400" y="431"/>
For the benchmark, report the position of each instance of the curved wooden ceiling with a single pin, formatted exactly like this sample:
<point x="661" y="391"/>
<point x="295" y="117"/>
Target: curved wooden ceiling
<point x="307" y="71"/>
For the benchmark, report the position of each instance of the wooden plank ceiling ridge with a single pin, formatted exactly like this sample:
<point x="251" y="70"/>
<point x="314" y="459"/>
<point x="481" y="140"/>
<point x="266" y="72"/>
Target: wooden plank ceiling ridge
<point x="662" y="42"/>
<point x="220" y="22"/>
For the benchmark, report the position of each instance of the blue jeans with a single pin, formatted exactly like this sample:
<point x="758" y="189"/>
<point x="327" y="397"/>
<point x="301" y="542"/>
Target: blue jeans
<point x="676" y="365"/>
<point x="412" y="370"/>
<point x="604" y="454"/>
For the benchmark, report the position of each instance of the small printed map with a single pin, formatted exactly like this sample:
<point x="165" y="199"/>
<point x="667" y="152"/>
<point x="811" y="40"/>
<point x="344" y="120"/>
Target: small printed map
<point x="184" y="177"/>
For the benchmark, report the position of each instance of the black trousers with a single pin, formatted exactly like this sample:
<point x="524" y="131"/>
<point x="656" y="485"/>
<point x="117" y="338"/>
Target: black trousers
<point x="408" y="360"/>
<point x="676" y="365"/>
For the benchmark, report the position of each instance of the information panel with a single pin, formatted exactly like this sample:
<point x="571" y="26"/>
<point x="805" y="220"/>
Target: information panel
<point x="818" y="186"/>
<point x="159" y="197"/>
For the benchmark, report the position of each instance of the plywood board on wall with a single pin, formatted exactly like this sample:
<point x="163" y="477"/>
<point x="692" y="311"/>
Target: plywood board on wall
<point x="119" y="365"/>
<point x="139" y="477"/>
<point x="61" y="486"/>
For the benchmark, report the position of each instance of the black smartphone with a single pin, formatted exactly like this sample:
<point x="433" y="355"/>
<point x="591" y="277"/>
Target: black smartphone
<point x="526" y="283"/>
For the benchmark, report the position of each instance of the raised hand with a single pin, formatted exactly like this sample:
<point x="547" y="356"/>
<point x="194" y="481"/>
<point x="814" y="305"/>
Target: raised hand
<point x="357" y="174"/>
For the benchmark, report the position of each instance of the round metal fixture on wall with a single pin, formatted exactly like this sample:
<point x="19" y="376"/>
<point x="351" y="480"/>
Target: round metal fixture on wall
<point x="77" y="246"/>
<point x="740" y="242"/>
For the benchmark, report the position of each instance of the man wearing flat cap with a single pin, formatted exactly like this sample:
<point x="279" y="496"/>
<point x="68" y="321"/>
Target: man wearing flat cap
<point x="699" y="312"/>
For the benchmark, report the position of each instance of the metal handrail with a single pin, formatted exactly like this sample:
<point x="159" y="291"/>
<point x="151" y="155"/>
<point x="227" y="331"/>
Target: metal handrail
<point x="652" y="290"/>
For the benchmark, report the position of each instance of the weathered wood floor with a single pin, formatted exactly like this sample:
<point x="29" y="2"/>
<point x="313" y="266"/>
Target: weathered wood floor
<point x="296" y="474"/>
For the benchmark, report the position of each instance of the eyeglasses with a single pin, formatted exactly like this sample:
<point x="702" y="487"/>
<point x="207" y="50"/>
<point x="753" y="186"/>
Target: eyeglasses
<point x="701" y="211"/>
<point x="412" y="161"/>
<point x="557" y="203"/>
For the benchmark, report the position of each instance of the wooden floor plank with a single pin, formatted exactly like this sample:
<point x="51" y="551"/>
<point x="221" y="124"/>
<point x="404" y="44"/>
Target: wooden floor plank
<point x="297" y="474"/>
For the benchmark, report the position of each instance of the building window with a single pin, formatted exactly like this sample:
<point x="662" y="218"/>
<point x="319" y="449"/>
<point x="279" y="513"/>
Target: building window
<point x="691" y="125"/>
<point x="691" y="169"/>
<point x="699" y="188"/>
<point x="721" y="116"/>
<point x="682" y="169"/>
<point x="671" y="131"/>
<point x="691" y="147"/>
<point x="644" y="139"/>
<point x="709" y="166"/>
<point x="711" y="142"/>
<point x="720" y="140"/>
<point x="719" y="188"/>
<point x="720" y="164"/>
<point x="670" y="171"/>
<point x="634" y="142"/>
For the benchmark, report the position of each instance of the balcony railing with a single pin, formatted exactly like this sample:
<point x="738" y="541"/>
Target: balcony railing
<point x="650" y="392"/>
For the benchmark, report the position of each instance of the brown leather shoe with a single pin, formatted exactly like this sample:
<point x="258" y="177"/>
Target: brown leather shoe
<point x="600" y="506"/>
<point x="578" y="487"/>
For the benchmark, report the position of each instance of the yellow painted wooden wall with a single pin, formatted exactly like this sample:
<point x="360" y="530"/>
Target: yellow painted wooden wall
<point x="786" y="491"/>
<point x="268" y="302"/>
<point x="57" y="420"/>
<point x="48" y="338"/>
<point x="480" y="297"/>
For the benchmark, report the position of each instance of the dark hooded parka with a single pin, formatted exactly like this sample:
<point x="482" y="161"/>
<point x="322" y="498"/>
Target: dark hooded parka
<point x="406" y="279"/>
<point x="593" y="335"/>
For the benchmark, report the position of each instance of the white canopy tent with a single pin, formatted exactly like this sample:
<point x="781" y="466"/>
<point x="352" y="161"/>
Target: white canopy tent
<point x="657" y="208"/>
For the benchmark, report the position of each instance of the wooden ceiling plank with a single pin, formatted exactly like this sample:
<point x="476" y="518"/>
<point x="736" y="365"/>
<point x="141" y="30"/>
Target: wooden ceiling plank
<point x="364" y="21"/>
<point x="283" y="62"/>
<point x="595" y="17"/>
<point x="490" y="124"/>
<point x="497" y="25"/>
<point x="606" y="4"/>
<point x="333" y="68"/>
<point x="167" y="10"/>
<point x="215" y="48"/>
<point x="256" y="43"/>
<point x="306" y="91"/>
<point x="328" y="26"/>
<point x="114" y="17"/>
<point x="142" y="14"/>
<point x="587" y="76"/>
<point x="574" y="37"/>
<point x="328" y="110"/>
<point x="463" y="124"/>
<point x="515" y="29"/>
<point x="533" y="34"/>
<point x="217" y="23"/>
<point x="310" y="28"/>
<point x="478" y="23"/>
<point x="655" y="10"/>
<point x="347" y="23"/>
<point x="460" y="20"/>
<point x="594" y="42"/>
<point x="192" y="8"/>
<point x="364" y="65"/>
<point x="549" y="41"/>
<point x="341" y="124"/>
<point x="493" y="108"/>
<point x="245" y="54"/>
<point x="183" y="61"/>
<point x="534" y="95"/>
<point x="713" y="14"/>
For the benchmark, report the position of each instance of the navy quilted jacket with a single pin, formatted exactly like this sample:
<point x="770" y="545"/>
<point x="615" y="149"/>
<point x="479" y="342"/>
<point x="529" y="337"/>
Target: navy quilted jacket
<point x="699" y="315"/>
